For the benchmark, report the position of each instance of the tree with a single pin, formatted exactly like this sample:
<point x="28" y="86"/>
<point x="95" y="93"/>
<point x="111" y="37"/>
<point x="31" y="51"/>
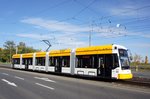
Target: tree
<point x="1" y="54"/>
<point x="9" y="50"/>
<point x="146" y="59"/>
<point x="22" y="48"/>
<point x="137" y="58"/>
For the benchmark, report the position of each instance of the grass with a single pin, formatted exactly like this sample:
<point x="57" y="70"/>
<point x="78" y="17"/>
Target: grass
<point x="5" y="63"/>
<point x="140" y="66"/>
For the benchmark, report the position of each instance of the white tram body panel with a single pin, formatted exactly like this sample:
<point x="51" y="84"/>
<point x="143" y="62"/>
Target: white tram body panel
<point x="85" y="71"/>
<point x="17" y="66"/>
<point x="51" y="69"/>
<point x="40" y="68"/>
<point x="31" y="67"/>
<point x="97" y="54"/>
<point x="66" y="70"/>
<point x="119" y="73"/>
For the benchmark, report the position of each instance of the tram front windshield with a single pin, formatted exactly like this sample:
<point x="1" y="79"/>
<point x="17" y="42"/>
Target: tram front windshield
<point x="124" y="59"/>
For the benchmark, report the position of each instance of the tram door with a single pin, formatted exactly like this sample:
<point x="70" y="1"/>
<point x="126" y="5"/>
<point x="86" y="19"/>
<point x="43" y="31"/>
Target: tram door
<point x="58" y="65"/>
<point x="104" y="66"/>
<point x="26" y="63"/>
<point x="108" y="65"/>
<point x="101" y="66"/>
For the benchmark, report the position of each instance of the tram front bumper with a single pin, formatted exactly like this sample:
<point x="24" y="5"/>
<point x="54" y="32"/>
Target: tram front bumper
<point x="125" y="76"/>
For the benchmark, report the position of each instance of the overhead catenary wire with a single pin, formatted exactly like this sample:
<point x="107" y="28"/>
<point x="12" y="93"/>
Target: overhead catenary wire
<point x="86" y="7"/>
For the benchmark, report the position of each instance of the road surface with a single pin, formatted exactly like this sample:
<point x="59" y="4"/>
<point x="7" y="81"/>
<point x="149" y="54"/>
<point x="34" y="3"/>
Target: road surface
<point x="15" y="84"/>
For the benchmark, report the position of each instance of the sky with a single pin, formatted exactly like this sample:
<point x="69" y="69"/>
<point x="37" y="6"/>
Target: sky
<point x="69" y="23"/>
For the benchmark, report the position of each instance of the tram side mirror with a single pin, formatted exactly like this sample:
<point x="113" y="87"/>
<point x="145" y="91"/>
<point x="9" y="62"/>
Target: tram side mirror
<point x="130" y="55"/>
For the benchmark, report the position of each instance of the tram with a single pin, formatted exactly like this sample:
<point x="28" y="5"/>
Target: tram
<point x="106" y="61"/>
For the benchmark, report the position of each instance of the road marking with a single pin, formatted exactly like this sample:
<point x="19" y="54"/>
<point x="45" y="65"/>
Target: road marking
<point x="10" y="83"/>
<point x="44" y="86"/>
<point x="19" y="78"/>
<point x="45" y="79"/>
<point x="5" y="74"/>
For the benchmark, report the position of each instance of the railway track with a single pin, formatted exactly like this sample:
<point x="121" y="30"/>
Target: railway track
<point x="137" y="81"/>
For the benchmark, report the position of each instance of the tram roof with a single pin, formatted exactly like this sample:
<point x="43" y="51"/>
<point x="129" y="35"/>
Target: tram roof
<point x="40" y="54"/>
<point x="63" y="52"/>
<point x="16" y="56"/>
<point x="104" y="49"/>
<point x="27" y="55"/>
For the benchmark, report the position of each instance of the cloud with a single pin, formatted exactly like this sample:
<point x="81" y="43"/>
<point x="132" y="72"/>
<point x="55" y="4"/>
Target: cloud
<point x="71" y="35"/>
<point x="34" y="36"/>
<point x="67" y="29"/>
<point x="65" y="34"/>
<point x="140" y="45"/>
<point x="146" y="35"/>
<point x="128" y="9"/>
<point x="54" y="25"/>
<point x="123" y="11"/>
<point x="139" y="34"/>
<point x="57" y="40"/>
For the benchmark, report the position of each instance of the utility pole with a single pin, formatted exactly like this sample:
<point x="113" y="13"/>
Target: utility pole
<point x="10" y="53"/>
<point x="90" y="38"/>
<point x="16" y="49"/>
<point x="90" y="34"/>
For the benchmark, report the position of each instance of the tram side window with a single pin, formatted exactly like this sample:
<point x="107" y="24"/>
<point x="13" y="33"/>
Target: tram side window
<point x="65" y="61"/>
<point x="16" y="60"/>
<point x="23" y="61"/>
<point x="86" y="61"/>
<point x="40" y="61"/>
<point x="52" y="61"/>
<point x="30" y="61"/>
<point x="111" y="61"/>
<point x="27" y="61"/>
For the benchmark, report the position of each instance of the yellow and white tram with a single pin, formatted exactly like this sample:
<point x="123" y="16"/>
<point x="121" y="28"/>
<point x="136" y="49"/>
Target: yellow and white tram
<point x="107" y="61"/>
